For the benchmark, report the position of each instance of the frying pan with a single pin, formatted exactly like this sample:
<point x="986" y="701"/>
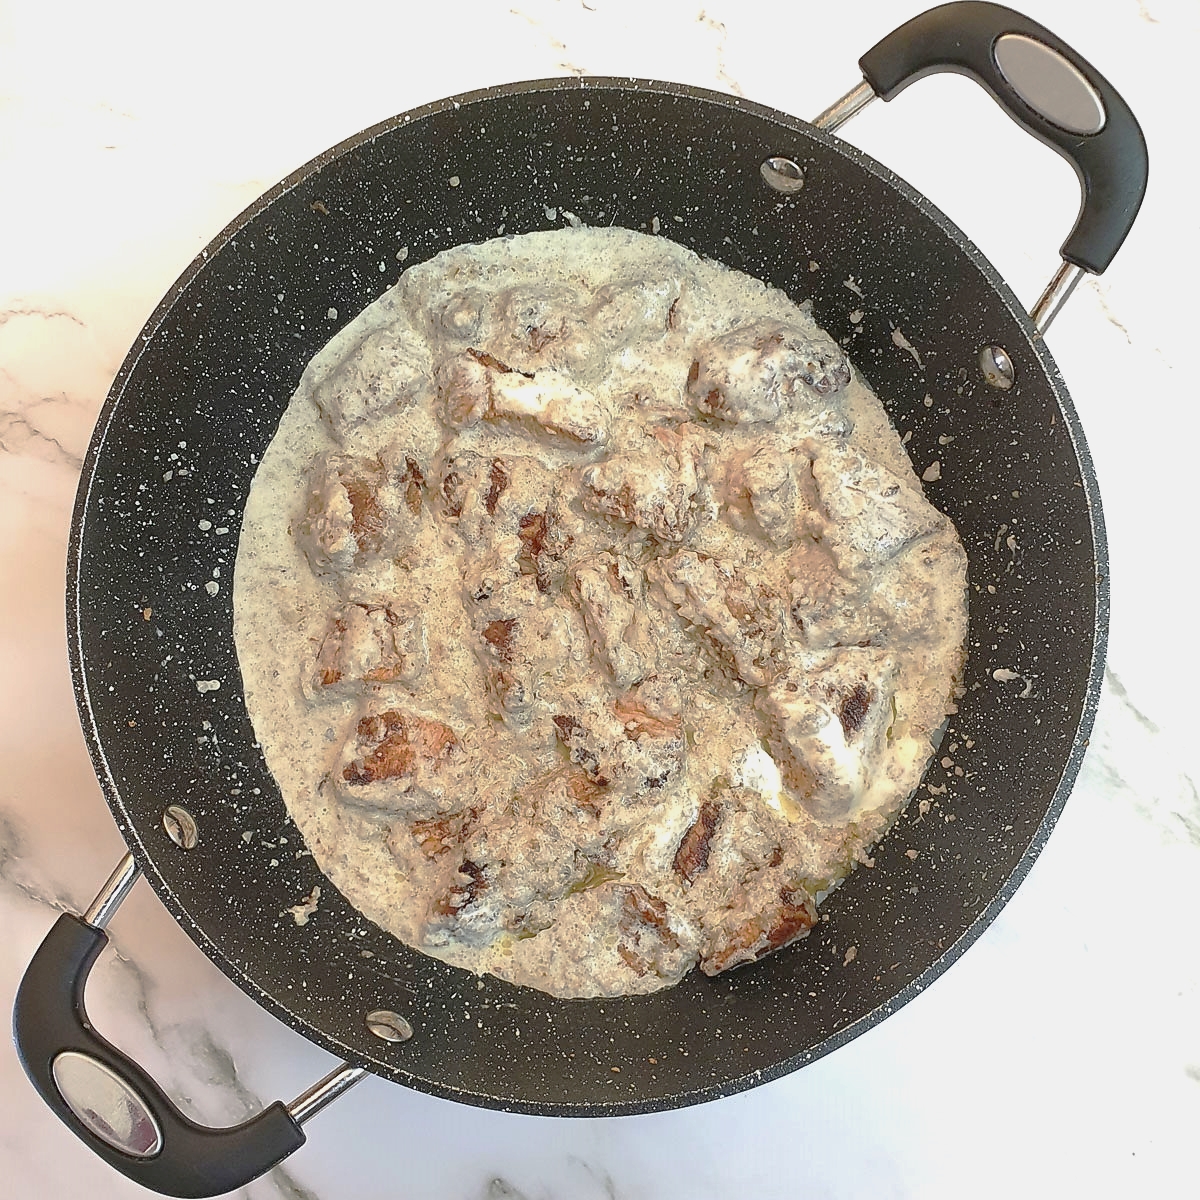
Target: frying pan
<point x="967" y="380"/>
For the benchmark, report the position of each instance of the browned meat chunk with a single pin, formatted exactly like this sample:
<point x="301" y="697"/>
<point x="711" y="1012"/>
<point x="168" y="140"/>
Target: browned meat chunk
<point x="477" y="386"/>
<point x="873" y="513"/>
<point x="544" y="545"/>
<point x="754" y="372"/>
<point x="825" y="608"/>
<point x="356" y="507"/>
<point x="394" y="744"/>
<point x="439" y="835"/>
<point x="640" y="719"/>
<point x="491" y="498"/>
<point x="523" y="637"/>
<point x="771" y="491"/>
<point x="790" y="915"/>
<point x="738" y="618"/>
<point x="385" y="372"/>
<point x="413" y="479"/>
<point x="611" y="596"/>
<point x="823" y="720"/>
<point x="398" y="761"/>
<point x="656" y="489"/>
<point x="637" y="748"/>
<point x="647" y="941"/>
<point x="367" y="644"/>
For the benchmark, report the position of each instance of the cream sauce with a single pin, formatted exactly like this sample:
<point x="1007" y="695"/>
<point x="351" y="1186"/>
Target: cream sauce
<point x="591" y="617"/>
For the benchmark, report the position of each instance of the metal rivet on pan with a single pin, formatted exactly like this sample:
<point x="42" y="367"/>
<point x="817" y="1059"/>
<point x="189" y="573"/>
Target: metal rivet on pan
<point x="997" y="368"/>
<point x="181" y="827"/>
<point x="783" y="175"/>
<point x="389" y="1026"/>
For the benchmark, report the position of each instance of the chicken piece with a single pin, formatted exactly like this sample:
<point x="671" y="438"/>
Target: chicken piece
<point x="610" y="592"/>
<point x="771" y="491"/>
<point x="522" y="638"/>
<point x="873" y="513"/>
<point x="691" y="858"/>
<point x="553" y="402"/>
<point x="544" y="545"/>
<point x="756" y="371"/>
<point x="656" y="489"/>
<point x="827" y="609"/>
<point x="782" y="918"/>
<point x="732" y="837"/>
<point x="739" y="887"/>
<point x="477" y="386"/>
<point x="508" y="877"/>
<point x="401" y="763"/>
<point x="738" y="617"/>
<point x="647" y="941"/>
<point x="632" y="309"/>
<point x="367" y="644"/>
<point x="358" y="508"/>
<point x="494" y="500"/>
<point x="826" y="723"/>
<point x="637" y="747"/>
<point x="387" y="371"/>
<point x="539" y="326"/>
<point x="440" y="835"/>
<point x="652" y="710"/>
<point x="464" y="909"/>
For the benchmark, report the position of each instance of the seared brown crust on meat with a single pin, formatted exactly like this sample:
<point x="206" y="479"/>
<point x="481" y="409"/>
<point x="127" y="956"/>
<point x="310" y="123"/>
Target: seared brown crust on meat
<point x="413" y="479"/>
<point x="852" y="711"/>
<point x="469" y="883"/>
<point x="439" y="835"/>
<point x="391" y="745"/>
<point x="692" y="856"/>
<point x="498" y="481"/>
<point x="367" y="644"/>
<point x="499" y="634"/>
<point x="646" y="937"/>
<point x="739" y="940"/>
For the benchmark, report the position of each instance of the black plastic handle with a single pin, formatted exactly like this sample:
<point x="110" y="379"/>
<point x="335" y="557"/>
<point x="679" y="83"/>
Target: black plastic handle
<point x="1111" y="163"/>
<point x="49" y="1020"/>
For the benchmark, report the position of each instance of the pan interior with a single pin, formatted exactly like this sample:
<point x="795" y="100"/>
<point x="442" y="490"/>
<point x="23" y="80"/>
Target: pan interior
<point x="198" y="400"/>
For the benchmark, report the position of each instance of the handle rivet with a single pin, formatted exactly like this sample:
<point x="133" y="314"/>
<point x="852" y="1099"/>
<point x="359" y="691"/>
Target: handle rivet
<point x="783" y="175"/>
<point x="389" y="1026"/>
<point x="181" y="827"/>
<point x="997" y="368"/>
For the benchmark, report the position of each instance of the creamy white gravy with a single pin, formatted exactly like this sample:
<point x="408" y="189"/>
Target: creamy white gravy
<point x="591" y="617"/>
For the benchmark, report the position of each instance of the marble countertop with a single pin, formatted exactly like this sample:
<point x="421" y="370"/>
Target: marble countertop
<point x="1061" y="1054"/>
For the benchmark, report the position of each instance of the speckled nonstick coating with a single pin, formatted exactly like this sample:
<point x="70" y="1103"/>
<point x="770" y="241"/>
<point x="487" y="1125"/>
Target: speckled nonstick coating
<point x="198" y="399"/>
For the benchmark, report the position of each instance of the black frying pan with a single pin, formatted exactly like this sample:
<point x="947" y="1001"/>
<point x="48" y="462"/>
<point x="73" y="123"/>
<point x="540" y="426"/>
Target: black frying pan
<point x="196" y="403"/>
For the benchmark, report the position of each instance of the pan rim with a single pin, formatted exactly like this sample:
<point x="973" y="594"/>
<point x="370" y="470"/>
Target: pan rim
<point x="699" y="1094"/>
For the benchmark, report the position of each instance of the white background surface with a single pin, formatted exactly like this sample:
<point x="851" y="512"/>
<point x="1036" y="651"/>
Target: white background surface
<point x="1061" y="1056"/>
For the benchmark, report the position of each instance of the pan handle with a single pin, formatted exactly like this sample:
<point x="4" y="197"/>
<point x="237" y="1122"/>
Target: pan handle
<point x="110" y="1102"/>
<point x="1047" y="88"/>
